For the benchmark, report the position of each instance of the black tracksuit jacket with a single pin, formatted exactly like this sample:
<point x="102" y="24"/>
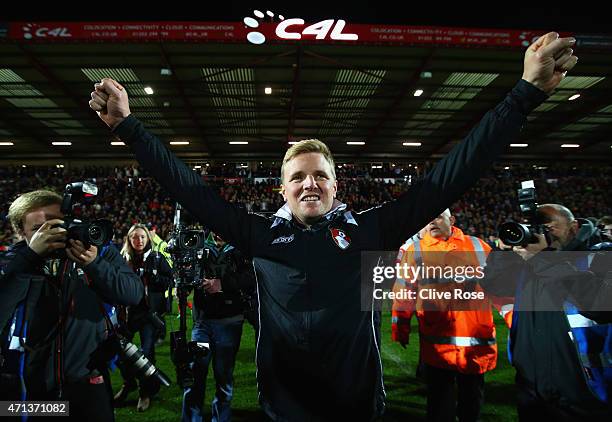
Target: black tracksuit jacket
<point x="61" y="353"/>
<point x="318" y="354"/>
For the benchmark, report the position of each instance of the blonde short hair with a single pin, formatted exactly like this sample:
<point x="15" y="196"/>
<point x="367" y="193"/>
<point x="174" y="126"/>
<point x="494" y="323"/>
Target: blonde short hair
<point x="306" y="146"/>
<point x="29" y="202"/>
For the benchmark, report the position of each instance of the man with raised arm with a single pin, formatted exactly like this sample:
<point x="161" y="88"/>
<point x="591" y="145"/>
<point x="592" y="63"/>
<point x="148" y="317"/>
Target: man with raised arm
<point x="318" y="351"/>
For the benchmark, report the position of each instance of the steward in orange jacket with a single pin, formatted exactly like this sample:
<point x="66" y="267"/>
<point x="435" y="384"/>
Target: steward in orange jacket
<point x="457" y="332"/>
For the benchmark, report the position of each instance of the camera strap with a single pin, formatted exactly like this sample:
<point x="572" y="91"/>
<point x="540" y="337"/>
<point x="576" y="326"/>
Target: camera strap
<point x="110" y="327"/>
<point x="36" y="287"/>
<point x="65" y="308"/>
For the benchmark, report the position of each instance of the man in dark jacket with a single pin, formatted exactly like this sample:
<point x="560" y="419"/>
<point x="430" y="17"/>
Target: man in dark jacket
<point x="318" y="355"/>
<point x="60" y="320"/>
<point x="561" y="330"/>
<point x="218" y="315"/>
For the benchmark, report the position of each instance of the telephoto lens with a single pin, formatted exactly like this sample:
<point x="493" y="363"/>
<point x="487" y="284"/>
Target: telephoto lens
<point x="138" y="363"/>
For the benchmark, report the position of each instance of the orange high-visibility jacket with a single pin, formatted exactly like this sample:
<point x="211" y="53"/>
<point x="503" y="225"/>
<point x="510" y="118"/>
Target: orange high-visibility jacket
<point x="450" y="336"/>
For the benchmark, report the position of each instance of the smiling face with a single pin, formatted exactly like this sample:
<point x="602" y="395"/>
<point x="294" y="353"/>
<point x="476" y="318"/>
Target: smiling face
<point x="309" y="186"/>
<point x="139" y="240"/>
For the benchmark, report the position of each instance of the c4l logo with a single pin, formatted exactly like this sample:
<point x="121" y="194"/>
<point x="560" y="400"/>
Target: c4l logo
<point x="296" y="29"/>
<point x="340" y="238"/>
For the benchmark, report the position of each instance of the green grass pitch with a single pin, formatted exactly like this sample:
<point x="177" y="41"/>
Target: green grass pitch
<point x="405" y="393"/>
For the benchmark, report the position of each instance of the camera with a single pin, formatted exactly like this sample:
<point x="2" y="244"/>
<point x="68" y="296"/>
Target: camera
<point x="187" y="250"/>
<point x="513" y="233"/>
<point x="136" y="362"/>
<point x="184" y="241"/>
<point x="183" y="353"/>
<point x="97" y="232"/>
<point x="130" y="355"/>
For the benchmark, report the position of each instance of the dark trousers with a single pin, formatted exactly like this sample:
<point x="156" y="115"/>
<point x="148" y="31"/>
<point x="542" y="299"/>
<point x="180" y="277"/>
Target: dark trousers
<point x="149" y="386"/>
<point x="224" y="340"/>
<point x="161" y="332"/>
<point x="450" y="394"/>
<point x="88" y="402"/>
<point x="530" y="408"/>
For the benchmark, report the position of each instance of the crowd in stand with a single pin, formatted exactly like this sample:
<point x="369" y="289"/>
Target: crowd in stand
<point x="127" y="195"/>
<point x="343" y="170"/>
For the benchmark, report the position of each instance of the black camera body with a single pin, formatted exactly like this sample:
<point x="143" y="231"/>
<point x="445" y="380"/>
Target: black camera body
<point x="97" y="232"/>
<point x="183" y="353"/>
<point x="187" y="250"/>
<point x="513" y="233"/>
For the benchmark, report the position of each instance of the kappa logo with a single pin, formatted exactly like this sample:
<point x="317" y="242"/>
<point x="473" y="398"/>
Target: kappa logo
<point x="291" y="29"/>
<point x="340" y="238"/>
<point x="283" y="239"/>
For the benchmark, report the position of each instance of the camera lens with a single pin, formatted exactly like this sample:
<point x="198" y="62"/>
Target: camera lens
<point x="98" y="232"/>
<point x="95" y="233"/>
<point x="191" y="241"/>
<point x="513" y="234"/>
<point x="139" y="364"/>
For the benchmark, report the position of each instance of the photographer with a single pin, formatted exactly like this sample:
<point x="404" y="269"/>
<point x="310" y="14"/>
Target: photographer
<point x="218" y="308"/>
<point x="60" y="320"/>
<point x="155" y="275"/>
<point x="560" y="333"/>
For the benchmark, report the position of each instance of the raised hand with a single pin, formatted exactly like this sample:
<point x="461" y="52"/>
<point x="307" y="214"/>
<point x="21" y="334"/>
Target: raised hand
<point x="110" y="100"/>
<point x="548" y="60"/>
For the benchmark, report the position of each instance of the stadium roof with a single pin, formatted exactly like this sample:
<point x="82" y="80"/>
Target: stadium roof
<point x="209" y="89"/>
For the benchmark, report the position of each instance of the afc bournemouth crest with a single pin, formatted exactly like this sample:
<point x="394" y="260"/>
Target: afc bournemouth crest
<point x="340" y="238"/>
